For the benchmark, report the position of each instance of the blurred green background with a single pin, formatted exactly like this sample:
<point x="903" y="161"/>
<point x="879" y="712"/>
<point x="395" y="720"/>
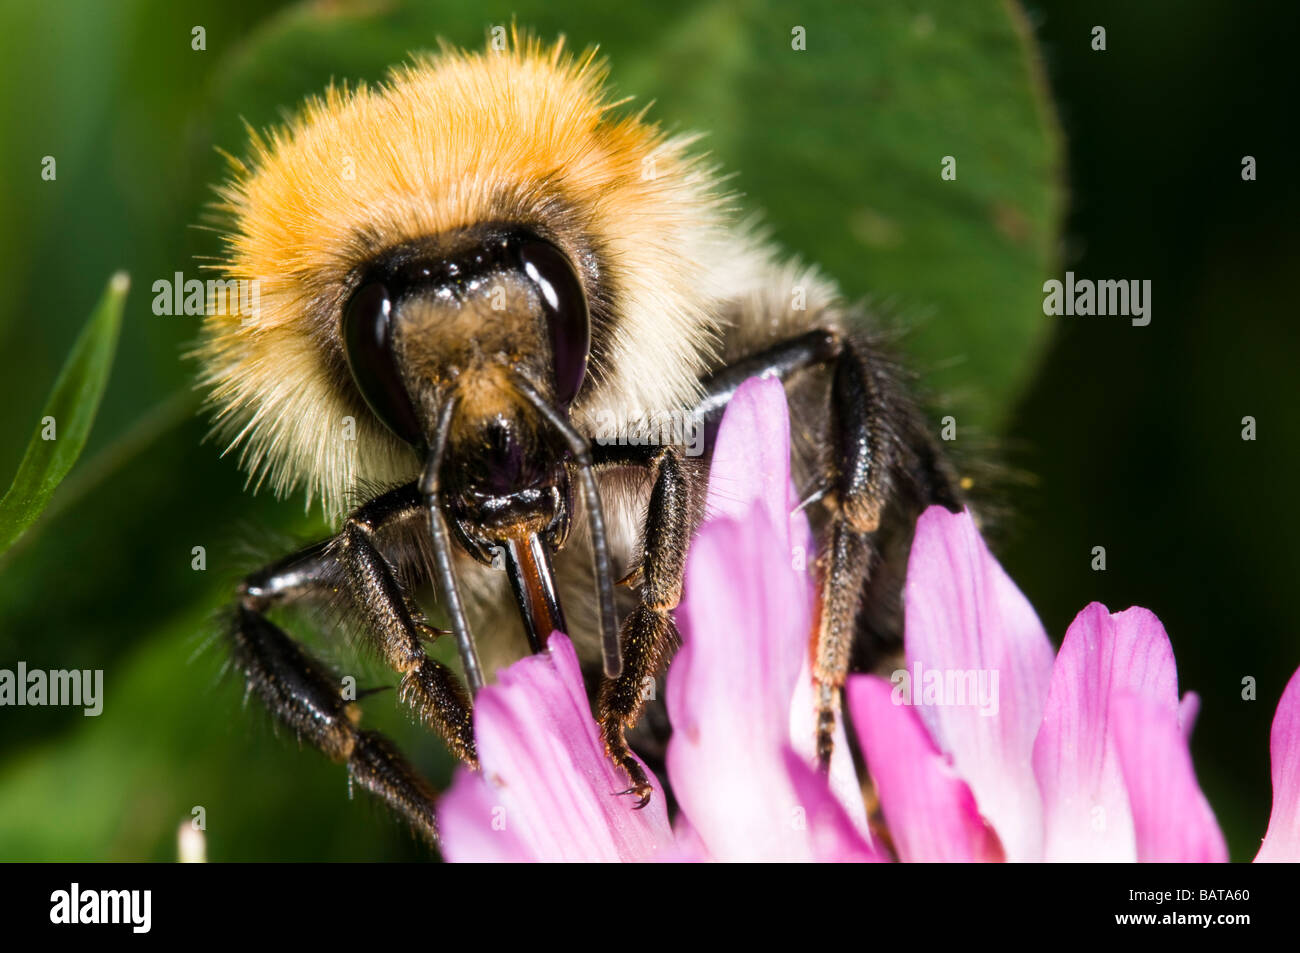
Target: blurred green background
<point x="1116" y="164"/>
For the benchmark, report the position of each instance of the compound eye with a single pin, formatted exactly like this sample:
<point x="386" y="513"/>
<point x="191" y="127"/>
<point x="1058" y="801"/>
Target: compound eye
<point x="368" y="346"/>
<point x="567" y="317"/>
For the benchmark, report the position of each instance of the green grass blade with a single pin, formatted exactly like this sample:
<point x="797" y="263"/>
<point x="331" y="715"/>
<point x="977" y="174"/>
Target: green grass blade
<point x="72" y="404"/>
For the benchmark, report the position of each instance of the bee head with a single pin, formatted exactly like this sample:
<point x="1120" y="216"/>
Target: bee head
<point x="466" y="317"/>
<point x="417" y="242"/>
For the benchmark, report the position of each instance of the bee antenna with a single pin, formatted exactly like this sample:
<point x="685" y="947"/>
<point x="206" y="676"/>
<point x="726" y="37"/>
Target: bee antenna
<point x="429" y="487"/>
<point x="611" y="651"/>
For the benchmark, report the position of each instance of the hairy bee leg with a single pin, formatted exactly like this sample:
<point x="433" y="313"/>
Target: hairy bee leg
<point x="353" y="560"/>
<point x="865" y="458"/>
<point x="303" y="694"/>
<point x="649" y="636"/>
<point x="868" y="444"/>
<point x="845" y="566"/>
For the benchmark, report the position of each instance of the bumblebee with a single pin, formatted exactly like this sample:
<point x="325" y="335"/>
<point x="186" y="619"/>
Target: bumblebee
<point x="466" y="276"/>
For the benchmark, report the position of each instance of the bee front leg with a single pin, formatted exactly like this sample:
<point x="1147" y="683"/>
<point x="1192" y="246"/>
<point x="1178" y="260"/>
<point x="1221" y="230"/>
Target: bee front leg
<point x="354" y="563"/>
<point x="303" y="694"/>
<point x="649" y="637"/>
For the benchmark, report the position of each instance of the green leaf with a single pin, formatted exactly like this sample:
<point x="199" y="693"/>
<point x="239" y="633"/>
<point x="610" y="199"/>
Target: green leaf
<point x="67" y="417"/>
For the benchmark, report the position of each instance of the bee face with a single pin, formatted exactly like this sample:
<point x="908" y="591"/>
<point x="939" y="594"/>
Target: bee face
<point x="465" y="317"/>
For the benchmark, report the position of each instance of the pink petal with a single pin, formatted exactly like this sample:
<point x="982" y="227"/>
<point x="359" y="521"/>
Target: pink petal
<point x="728" y="689"/>
<point x="751" y="455"/>
<point x="832" y="836"/>
<point x="475" y="826"/>
<point x="930" y="811"/>
<point x="687" y="846"/>
<point x="744" y="635"/>
<point x="1282" y="842"/>
<point x="1188" y="709"/>
<point x="964" y="614"/>
<point x="1171" y="819"/>
<point x="843" y="775"/>
<point x="546" y="789"/>
<point x="751" y="468"/>
<point x="1085" y="805"/>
